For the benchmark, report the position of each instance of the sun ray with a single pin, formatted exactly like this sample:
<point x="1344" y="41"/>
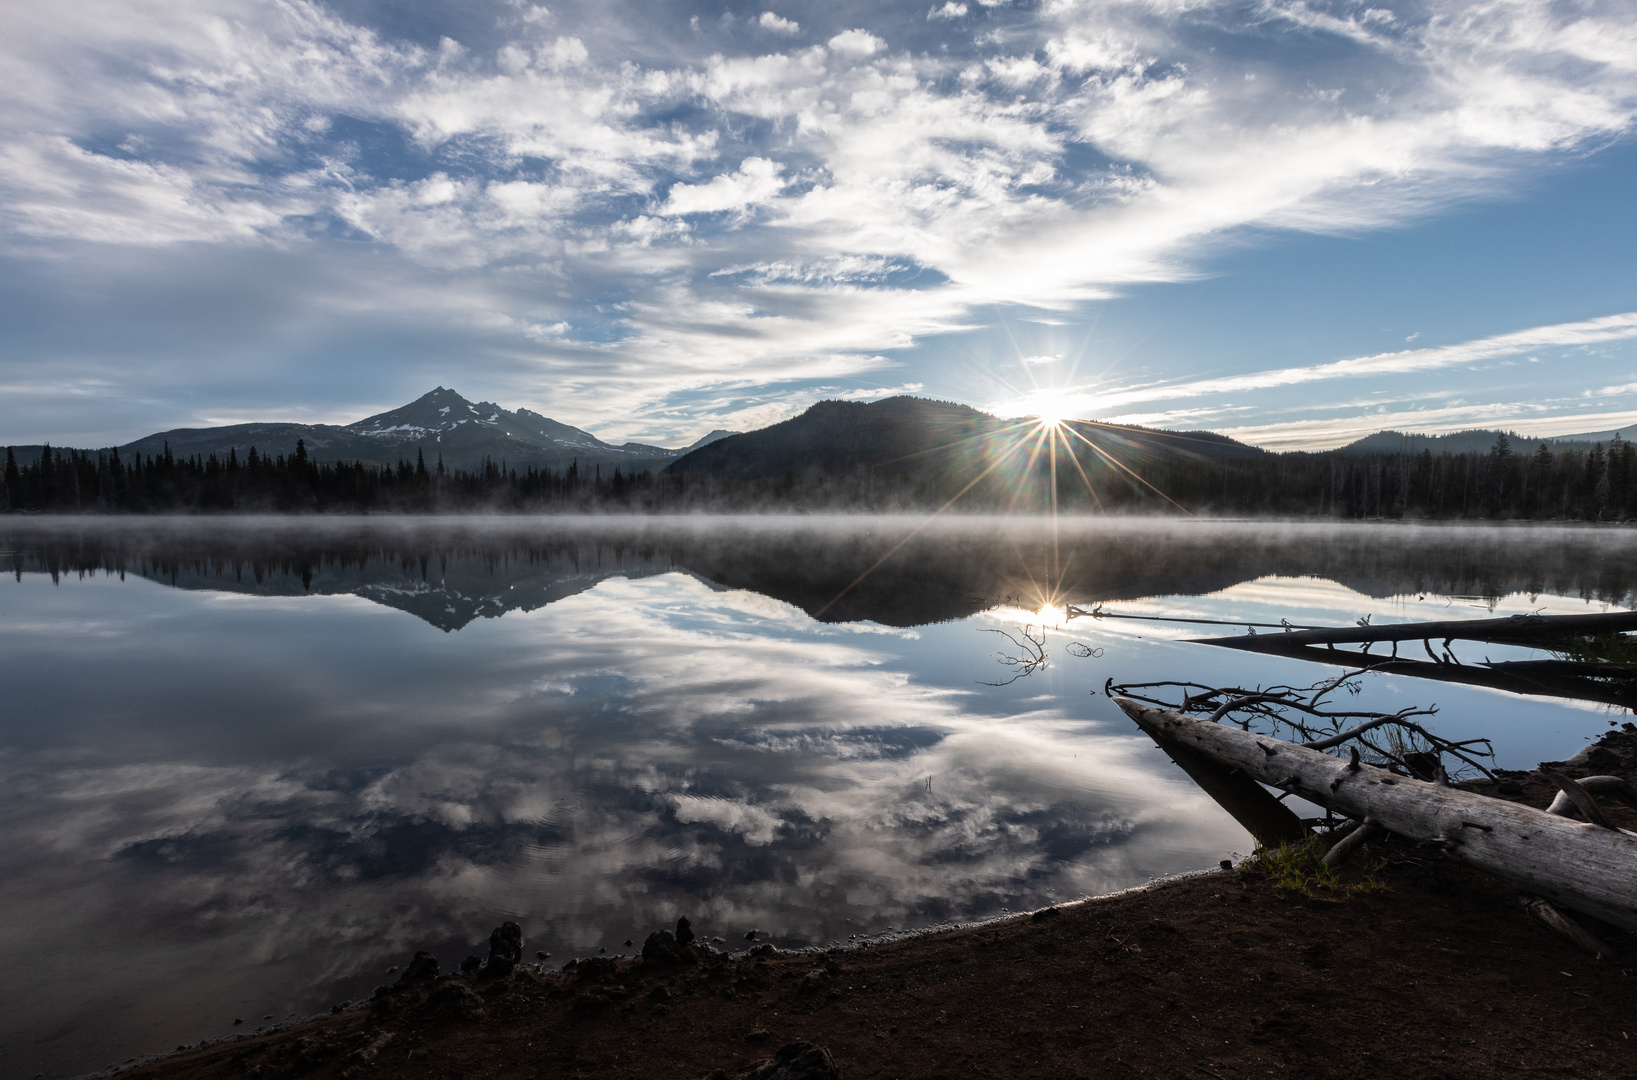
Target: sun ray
<point x="1083" y="477"/>
<point x="1028" y="470"/>
<point x="1039" y="435"/>
<point x="1052" y="432"/>
<point x="912" y="533"/>
<point x="951" y="444"/>
<point x="1028" y="573"/>
<point x="1117" y="463"/>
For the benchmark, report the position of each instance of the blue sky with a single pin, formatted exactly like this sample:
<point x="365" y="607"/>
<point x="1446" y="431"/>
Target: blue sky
<point x="1295" y="222"/>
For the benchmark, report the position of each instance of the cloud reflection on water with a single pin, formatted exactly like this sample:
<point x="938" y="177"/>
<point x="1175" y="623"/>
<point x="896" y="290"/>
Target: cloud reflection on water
<point x="251" y="793"/>
<point x="640" y="750"/>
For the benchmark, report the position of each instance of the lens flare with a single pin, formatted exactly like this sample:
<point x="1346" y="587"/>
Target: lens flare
<point x="1029" y="456"/>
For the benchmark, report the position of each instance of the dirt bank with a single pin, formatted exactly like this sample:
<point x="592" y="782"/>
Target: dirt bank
<point x="1438" y="973"/>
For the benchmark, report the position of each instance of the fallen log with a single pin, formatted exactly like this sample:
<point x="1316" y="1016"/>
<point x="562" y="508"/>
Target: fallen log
<point x="1536" y="683"/>
<point x="1532" y="630"/>
<point x="1267" y="819"/>
<point x="1574" y="864"/>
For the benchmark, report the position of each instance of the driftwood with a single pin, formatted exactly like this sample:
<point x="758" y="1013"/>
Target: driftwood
<point x="1576" y="865"/>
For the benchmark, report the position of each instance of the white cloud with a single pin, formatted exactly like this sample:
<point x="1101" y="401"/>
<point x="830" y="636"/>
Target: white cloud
<point x="1608" y="328"/>
<point x="757" y="181"/>
<point x="857" y="43"/>
<point x="777" y="23"/>
<point x="61" y="190"/>
<point x="226" y="124"/>
<point x="950" y="10"/>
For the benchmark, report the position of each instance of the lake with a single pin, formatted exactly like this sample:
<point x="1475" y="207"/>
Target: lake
<point x="247" y="766"/>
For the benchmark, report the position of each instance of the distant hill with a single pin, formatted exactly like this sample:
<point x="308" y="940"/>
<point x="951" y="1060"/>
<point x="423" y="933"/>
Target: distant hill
<point x="441" y="423"/>
<point x="1476" y="441"/>
<point x="1626" y="433"/>
<point x="908" y="438"/>
<point x="719" y="433"/>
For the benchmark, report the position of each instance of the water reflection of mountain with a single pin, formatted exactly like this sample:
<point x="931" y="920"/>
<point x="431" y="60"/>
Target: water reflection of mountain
<point x="449" y="592"/>
<point x="210" y="808"/>
<point x="450" y="573"/>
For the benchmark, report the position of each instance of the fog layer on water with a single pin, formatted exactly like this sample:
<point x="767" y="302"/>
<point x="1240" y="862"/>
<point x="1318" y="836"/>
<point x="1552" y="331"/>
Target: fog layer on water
<point x="248" y="765"/>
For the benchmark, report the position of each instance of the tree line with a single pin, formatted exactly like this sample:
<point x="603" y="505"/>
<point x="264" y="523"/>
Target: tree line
<point x="1568" y="484"/>
<point x="84" y="481"/>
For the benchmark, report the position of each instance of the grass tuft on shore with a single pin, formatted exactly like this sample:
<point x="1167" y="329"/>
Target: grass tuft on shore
<point x="1300" y="868"/>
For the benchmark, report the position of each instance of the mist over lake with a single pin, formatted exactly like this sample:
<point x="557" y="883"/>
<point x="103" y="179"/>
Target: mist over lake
<point x="247" y="765"/>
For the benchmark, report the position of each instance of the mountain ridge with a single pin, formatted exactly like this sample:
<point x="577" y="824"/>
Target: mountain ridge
<point x="824" y="438"/>
<point x="438" y="424"/>
<point x="899" y="435"/>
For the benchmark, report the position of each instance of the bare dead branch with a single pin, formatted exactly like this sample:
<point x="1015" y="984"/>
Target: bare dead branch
<point x="1616" y="787"/>
<point x="1395" y="739"/>
<point x="1031" y="653"/>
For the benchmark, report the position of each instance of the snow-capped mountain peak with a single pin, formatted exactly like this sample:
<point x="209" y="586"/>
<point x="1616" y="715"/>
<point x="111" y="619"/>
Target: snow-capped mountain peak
<point x="440" y="425"/>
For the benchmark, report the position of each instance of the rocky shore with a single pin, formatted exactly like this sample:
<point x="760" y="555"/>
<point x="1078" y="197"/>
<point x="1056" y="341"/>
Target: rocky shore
<point x="1408" y="967"/>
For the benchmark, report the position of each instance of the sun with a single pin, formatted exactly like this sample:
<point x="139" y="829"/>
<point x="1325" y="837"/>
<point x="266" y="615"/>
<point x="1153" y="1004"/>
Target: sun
<point x="1049" y="417"/>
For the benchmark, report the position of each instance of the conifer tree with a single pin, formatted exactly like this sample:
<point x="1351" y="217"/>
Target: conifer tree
<point x="14" y="481"/>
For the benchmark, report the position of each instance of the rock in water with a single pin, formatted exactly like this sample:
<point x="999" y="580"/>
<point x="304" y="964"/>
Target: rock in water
<point x="684" y="932"/>
<point x="795" y="1061"/>
<point x="663" y="950"/>
<point x="505" y="950"/>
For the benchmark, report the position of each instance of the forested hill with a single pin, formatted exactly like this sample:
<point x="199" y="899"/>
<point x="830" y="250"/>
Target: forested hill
<point x="1478" y="441"/>
<point x="898" y="454"/>
<point x="912" y="438"/>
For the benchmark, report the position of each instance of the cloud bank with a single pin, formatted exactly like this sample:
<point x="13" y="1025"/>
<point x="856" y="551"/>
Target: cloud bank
<point x="706" y="219"/>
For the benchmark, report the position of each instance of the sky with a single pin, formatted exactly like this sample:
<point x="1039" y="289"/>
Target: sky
<point x="1292" y="222"/>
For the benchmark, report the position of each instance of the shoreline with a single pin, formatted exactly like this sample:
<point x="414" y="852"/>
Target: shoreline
<point x="1420" y="968"/>
<point x="817" y="952"/>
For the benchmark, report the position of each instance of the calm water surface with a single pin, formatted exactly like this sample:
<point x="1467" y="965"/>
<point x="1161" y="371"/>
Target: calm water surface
<point x="247" y="766"/>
